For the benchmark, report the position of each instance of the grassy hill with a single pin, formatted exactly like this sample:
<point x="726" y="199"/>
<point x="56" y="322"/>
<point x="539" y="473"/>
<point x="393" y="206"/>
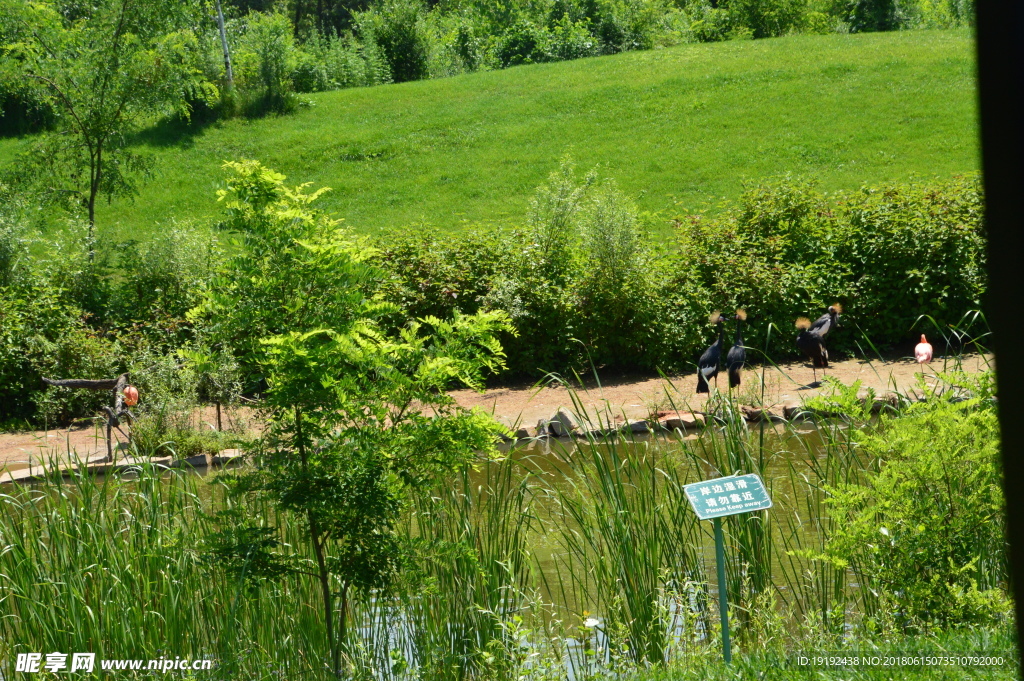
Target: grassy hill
<point x="678" y="128"/>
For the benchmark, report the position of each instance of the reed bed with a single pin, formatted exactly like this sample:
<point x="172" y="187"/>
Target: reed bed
<point x="584" y="562"/>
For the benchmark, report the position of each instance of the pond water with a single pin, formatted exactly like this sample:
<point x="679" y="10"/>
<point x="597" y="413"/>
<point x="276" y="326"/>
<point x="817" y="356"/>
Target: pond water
<point x="789" y="457"/>
<point x="593" y="505"/>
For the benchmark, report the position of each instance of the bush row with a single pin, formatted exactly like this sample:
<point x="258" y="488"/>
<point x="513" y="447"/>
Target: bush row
<point x="583" y="281"/>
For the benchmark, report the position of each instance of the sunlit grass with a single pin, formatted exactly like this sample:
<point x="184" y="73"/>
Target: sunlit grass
<point x="679" y="128"/>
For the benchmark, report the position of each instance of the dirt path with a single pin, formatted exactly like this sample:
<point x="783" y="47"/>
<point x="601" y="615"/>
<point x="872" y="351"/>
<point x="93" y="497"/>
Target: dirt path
<point x="85" y="442"/>
<point x="637" y="398"/>
<point x="630" y="398"/>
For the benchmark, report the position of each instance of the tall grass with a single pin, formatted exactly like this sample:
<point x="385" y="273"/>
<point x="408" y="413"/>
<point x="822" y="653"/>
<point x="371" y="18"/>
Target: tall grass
<point x="117" y="566"/>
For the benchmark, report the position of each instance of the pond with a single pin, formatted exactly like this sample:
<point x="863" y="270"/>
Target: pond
<point x="575" y="543"/>
<point x="791" y="458"/>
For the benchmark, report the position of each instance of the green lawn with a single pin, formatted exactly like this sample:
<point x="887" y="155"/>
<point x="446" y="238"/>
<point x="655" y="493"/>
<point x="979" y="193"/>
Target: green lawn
<point x="679" y="128"/>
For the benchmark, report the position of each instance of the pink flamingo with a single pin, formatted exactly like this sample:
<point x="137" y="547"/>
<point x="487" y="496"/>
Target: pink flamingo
<point x="923" y="351"/>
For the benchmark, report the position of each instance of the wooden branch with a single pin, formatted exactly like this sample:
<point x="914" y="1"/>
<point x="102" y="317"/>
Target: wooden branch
<point x="114" y="416"/>
<point x="100" y="384"/>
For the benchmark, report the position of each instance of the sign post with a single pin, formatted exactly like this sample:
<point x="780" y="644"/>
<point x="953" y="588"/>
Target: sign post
<point x="713" y="500"/>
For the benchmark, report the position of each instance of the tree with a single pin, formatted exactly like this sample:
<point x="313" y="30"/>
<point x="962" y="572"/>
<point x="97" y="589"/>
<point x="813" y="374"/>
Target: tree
<point x="358" y="417"/>
<point x="106" y="68"/>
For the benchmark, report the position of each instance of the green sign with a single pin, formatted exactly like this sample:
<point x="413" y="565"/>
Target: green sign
<point x="728" y="496"/>
<point x="713" y="500"/>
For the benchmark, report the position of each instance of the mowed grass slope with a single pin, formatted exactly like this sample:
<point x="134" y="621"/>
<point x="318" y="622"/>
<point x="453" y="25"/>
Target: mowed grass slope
<point x="680" y="129"/>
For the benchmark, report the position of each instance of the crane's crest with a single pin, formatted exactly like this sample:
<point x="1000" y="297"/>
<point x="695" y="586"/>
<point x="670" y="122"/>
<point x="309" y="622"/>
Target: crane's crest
<point x="803" y="323"/>
<point x="741" y="314"/>
<point x="713" y="318"/>
<point x="838" y="308"/>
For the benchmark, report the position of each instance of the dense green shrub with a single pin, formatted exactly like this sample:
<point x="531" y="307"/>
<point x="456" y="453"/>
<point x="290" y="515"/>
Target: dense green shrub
<point x="584" y="281"/>
<point x="339" y="61"/>
<point x="708" y="24"/>
<point x="397" y="27"/>
<point x="913" y="250"/>
<point x="523" y="43"/>
<point x="925" y="532"/>
<point x="572" y="40"/>
<point x="769" y="18"/>
<point x="625" y="25"/>
<point x="266" y="58"/>
<point x="161" y="280"/>
<point x="873" y="15"/>
<point x="309" y="74"/>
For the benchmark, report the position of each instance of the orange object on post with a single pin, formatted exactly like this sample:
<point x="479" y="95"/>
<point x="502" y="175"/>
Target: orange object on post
<point x="131" y="396"/>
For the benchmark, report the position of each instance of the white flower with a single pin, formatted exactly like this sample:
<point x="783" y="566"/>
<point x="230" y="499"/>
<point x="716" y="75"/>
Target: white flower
<point x="591" y="622"/>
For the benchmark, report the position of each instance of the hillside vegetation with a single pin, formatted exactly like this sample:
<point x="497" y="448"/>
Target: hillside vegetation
<point x="679" y="129"/>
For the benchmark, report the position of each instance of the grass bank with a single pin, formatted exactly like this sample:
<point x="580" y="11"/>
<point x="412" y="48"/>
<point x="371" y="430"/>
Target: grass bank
<point x="680" y="128"/>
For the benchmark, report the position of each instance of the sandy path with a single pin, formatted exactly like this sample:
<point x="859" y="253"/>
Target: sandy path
<point x="523" y="405"/>
<point x="636" y="398"/>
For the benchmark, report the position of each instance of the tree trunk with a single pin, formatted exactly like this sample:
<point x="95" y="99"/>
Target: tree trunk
<point x="95" y="174"/>
<point x="228" y="74"/>
<point x="323" y="575"/>
<point x="325" y="588"/>
<point x="342" y="625"/>
<point x="298" y="16"/>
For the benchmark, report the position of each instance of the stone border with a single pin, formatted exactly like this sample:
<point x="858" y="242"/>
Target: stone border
<point x="102" y="467"/>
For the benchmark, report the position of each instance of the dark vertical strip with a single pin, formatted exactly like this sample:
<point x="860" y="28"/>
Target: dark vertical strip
<point x="1000" y="35"/>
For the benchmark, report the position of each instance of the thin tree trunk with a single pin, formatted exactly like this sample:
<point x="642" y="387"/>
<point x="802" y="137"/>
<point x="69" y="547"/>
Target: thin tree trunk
<point x="298" y="15"/>
<point x="342" y="625"/>
<point x="325" y="588"/>
<point x="94" y="189"/>
<point x="321" y="561"/>
<point x="228" y="74"/>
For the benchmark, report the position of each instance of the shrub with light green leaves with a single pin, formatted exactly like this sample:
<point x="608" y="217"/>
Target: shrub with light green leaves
<point x="266" y="59"/>
<point x="925" y="532"/>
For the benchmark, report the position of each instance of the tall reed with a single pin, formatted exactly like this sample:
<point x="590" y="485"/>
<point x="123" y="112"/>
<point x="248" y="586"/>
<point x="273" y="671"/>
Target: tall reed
<point x="116" y="567"/>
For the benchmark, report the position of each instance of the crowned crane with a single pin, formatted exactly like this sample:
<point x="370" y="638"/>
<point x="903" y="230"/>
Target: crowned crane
<point x="737" y="353"/>
<point x="811" y="339"/>
<point x="707" y="366"/>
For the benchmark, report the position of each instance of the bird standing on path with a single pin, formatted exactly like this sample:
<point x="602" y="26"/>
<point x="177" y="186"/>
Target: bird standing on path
<point x="923" y="351"/>
<point x="737" y="353"/>
<point x="707" y="366"/>
<point x="811" y="339"/>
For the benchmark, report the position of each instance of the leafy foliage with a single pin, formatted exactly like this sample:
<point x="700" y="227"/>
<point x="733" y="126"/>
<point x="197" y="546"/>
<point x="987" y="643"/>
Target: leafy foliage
<point x="356" y="415"/>
<point x="587" y="283"/>
<point x="108" y="69"/>
<point x="926" y="530"/>
<point x="267" y="60"/>
<point x="397" y="28"/>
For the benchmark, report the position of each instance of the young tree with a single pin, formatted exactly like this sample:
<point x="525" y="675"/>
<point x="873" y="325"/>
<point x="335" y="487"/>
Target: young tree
<point x="358" y="417"/>
<point x="107" y="68"/>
